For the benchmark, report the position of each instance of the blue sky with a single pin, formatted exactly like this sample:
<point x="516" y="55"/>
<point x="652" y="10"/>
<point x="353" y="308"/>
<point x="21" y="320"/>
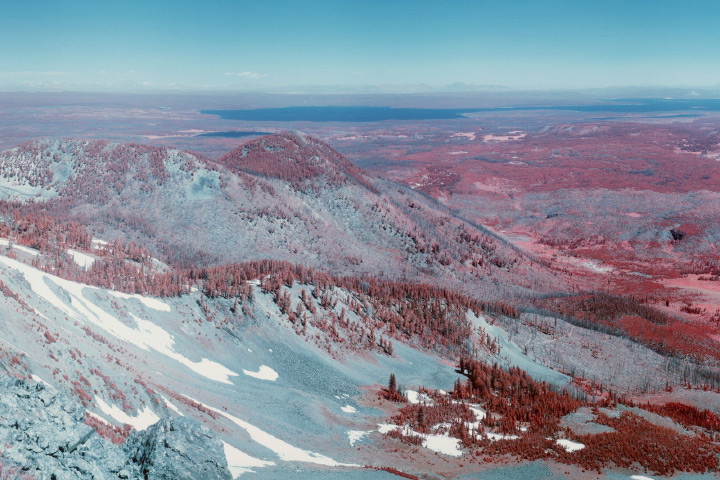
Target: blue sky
<point x="270" y="45"/>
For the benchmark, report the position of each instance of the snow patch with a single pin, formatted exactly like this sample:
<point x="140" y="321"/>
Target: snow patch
<point x="282" y="449"/>
<point x="569" y="445"/>
<point x="468" y="135"/>
<point x="141" y="421"/>
<point x="641" y="477"/>
<point x="415" y="397"/>
<point x="264" y="373"/>
<point x="149" y="302"/>
<point x="349" y="409"/>
<point x="83" y="260"/>
<point x="441" y="443"/>
<point x="39" y="380"/>
<point x="479" y="414"/>
<point x="596" y="268"/>
<point x="514" y="135"/>
<point x="98" y="417"/>
<point x="355" y="436"/>
<point x="30" y="251"/>
<point x="240" y="462"/>
<point x="171" y="406"/>
<point x="499" y="436"/>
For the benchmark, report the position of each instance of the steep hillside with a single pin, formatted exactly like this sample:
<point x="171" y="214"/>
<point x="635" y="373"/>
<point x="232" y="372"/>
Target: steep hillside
<point x="284" y="197"/>
<point x="267" y="353"/>
<point x="320" y="321"/>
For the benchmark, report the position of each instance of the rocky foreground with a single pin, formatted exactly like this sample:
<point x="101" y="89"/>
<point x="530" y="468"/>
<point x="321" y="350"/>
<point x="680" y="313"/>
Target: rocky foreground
<point x="43" y="436"/>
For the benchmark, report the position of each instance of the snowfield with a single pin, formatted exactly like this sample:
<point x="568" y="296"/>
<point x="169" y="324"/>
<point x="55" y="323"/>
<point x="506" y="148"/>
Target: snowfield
<point x="240" y="462"/>
<point x="282" y="449"/>
<point x="264" y="373"/>
<point x="145" y="336"/>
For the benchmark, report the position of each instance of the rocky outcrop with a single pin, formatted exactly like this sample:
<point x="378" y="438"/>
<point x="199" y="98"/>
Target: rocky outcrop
<point x="178" y="449"/>
<point x="43" y="435"/>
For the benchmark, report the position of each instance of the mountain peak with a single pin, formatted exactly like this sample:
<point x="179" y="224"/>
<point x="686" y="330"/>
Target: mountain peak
<point x="296" y="158"/>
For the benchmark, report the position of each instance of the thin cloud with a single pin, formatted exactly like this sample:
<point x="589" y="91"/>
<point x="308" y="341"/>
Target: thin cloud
<point x="246" y="74"/>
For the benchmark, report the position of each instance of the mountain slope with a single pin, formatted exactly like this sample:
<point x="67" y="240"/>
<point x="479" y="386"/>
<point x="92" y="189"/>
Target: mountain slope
<point x="189" y="210"/>
<point x="267" y="352"/>
<point x="295" y="158"/>
<point x="257" y="376"/>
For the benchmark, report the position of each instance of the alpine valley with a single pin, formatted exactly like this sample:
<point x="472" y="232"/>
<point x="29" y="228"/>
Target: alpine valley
<point x="381" y="298"/>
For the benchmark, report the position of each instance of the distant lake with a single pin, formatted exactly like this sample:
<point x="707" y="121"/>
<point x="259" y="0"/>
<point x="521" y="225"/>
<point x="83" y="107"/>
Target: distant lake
<point x="378" y="114"/>
<point x="234" y="134"/>
<point x="337" y="114"/>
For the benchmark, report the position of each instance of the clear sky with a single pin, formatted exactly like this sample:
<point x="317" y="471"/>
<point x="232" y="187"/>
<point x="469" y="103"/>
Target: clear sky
<point x="272" y="44"/>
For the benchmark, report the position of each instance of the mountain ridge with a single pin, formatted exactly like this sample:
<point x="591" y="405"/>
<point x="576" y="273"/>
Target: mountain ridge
<point x="191" y="210"/>
<point x="295" y="158"/>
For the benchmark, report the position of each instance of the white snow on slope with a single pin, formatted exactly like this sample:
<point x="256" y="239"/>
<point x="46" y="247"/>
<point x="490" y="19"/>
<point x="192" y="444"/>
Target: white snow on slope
<point x="569" y="445"/>
<point x="141" y="421"/>
<point x="240" y="462"/>
<point x="98" y="417"/>
<point x="97" y="243"/>
<point x="355" y="436"/>
<point x="415" y="397"/>
<point x="40" y="380"/>
<point x="441" y="443"/>
<point x="149" y="302"/>
<point x="150" y="335"/>
<point x="479" y="413"/>
<point x="82" y="260"/>
<point x="146" y="336"/>
<point x="264" y="373"/>
<point x="172" y="406"/>
<point x="479" y="417"/>
<point x="282" y="449"/>
<point x="30" y="251"/>
<point x="641" y="477"/>
<point x="348" y="409"/>
<point x="500" y="436"/>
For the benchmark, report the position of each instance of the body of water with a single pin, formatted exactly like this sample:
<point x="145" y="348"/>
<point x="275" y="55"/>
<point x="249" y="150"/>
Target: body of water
<point x="234" y="134"/>
<point x="378" y="114"/>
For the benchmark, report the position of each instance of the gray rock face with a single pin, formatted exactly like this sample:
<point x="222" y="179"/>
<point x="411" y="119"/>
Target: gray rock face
<point x="38" y="425"/>
<point x="179" y="449"/>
